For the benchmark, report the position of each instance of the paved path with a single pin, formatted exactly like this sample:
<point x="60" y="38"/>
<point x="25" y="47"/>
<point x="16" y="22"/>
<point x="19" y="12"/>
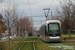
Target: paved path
<point x="3" y="40"/>
<point x="69" y="40"/>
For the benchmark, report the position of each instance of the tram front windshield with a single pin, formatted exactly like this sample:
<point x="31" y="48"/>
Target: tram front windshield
<point x="54" y="28"/>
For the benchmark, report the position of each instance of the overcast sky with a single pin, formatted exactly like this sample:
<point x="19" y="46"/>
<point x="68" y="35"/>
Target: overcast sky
<point x="36" y="8"/>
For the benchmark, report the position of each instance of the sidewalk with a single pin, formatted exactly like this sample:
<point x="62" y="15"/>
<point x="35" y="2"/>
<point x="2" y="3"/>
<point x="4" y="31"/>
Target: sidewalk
<point x="1" y="40"/>
<point x="69" y="40"/>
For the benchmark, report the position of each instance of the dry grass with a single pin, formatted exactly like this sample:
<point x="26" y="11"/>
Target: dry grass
<point x="42" y="46"/>
<point x="9" y="46"/>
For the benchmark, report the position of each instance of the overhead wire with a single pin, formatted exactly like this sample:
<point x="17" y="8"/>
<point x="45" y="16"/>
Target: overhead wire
<point x="48" y="7"/>
<point x="45" y="2"/>
<point x="51" y="3"/>
<point x="29" y="7"/>
<point x="37" y="16"/>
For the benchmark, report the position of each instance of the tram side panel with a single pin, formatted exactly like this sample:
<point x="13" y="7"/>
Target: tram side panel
<point x="42" y="32"/>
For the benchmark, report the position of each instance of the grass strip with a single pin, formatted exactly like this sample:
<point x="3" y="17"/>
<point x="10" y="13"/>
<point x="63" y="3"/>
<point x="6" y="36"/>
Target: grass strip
<point x="69" y="43"/>
<point x="72" y="35"/>
<point x="10" y="46"/>
<point x="43" y="46"/>
<point x="25" y="39"/>
<point x="27" y="46"/>
<point x="22" y="39"/>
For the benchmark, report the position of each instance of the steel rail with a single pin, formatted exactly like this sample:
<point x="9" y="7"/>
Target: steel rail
<point x="56" y="47"/>
<point x="25" y="42"/>
<point x="21" y="45"/>
<point x="33" y="44"/>
<point x="66" y="45"/>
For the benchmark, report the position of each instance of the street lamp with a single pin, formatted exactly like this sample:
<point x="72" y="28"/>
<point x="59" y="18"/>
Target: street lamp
<point x="0" y="30"/>
<point x="25" y="32"/>
<point x="19" y="31"/>
<point x="46" y="14"/>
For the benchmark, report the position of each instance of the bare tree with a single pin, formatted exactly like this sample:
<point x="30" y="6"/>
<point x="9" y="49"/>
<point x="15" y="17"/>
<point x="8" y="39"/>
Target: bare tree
<point x="67" y="15"/>
<point x="10" y="17"/>
<point x="25" y="25"/>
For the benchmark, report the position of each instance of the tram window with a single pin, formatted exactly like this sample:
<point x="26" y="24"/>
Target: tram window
<point x="46" y="34"/>
<point x="53" y="27"/>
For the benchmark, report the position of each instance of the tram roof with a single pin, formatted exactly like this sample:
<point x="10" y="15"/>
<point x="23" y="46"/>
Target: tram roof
<point x="48" y="21"/>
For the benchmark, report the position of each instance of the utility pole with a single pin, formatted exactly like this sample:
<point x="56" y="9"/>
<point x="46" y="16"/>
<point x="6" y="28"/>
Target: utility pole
<point x="46" y="13"/>
<point x="19" y="31"/>
<point x="0" y="31"/>
<point x="51" y="15"/>
<point x="25" y="32"/>
<point x="41" y="22"/>
<point x="0" y="26"/>
<point x="19" y="35"/>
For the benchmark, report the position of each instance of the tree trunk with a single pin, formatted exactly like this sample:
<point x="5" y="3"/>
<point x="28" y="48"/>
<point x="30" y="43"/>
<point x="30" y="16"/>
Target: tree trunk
<point x="62" y="31"/>
<point x="69" y="33"/>
<point x="12" y="40"/>
<point x="9" y="35"/>
<point x="22" y="35"/>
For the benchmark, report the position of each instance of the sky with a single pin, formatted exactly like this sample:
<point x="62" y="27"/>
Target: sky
<point x="37" y="6"/>
<point x="34" y="9"/>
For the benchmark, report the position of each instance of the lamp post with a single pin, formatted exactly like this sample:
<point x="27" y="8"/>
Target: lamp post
<point x="25" y="31"/>
<point x="19" y="31"/>
<point x="0" y="31"/>
<point x="19" y="35"/>
<point x="46" y="14"/>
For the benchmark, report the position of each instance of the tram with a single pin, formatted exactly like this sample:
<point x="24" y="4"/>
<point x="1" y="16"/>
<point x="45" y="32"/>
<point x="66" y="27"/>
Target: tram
<point x="50" y="31"/>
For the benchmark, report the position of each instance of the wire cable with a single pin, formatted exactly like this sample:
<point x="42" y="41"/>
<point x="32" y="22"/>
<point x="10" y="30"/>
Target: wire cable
<point x="29" y="7"/>
<point x="45" y="2"/>
<point x="51" y="3"/>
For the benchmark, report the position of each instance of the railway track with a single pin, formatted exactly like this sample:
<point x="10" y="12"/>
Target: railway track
<point x="68" y="45"/>
<point x="34" y="44"/>
<point x="56" y="46"/>
<point x="28" y="41"/>
<point x="61" y="46"/>
<point x="21" y="45"/>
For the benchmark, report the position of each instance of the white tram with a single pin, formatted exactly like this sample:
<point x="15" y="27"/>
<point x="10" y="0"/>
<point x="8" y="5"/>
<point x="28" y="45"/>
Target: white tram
<point x="50" y="31"/>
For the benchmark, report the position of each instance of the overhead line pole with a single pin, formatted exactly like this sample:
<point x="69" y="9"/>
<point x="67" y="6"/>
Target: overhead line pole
<point x="46" y="15"/>
<point x="51" y="15"/>
<point x="29" y="7"/>
<point x="19" y="31"/>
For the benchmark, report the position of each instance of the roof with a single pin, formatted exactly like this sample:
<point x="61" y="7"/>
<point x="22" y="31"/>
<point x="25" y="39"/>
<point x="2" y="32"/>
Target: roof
<point x="48" y="21"/>
<point x="52" y="21"/>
